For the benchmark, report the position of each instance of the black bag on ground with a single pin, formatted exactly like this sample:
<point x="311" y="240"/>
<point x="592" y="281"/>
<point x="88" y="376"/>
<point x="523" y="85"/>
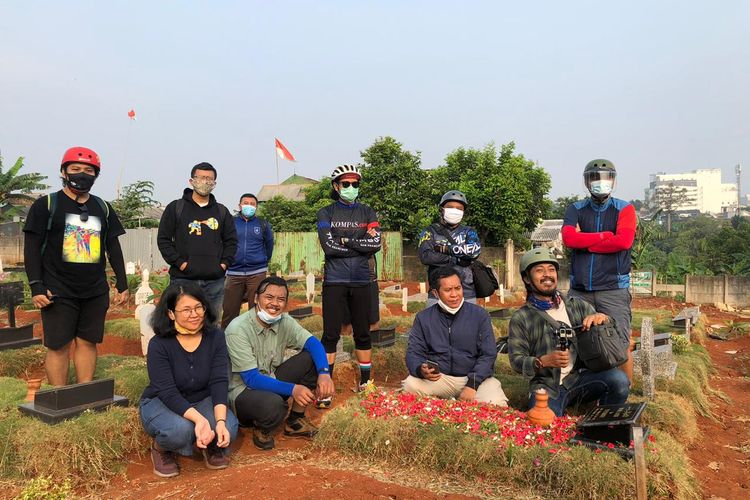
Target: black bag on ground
<point x="600" y="347"/>
<point x="485" y="280"/>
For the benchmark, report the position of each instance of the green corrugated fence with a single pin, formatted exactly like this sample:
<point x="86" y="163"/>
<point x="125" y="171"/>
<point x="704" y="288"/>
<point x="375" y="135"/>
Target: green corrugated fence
<point x="302" y="252"/>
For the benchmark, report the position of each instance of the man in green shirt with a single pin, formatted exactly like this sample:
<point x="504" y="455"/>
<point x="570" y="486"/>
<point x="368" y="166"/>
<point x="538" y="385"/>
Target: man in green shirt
<point x="262" y="381"/>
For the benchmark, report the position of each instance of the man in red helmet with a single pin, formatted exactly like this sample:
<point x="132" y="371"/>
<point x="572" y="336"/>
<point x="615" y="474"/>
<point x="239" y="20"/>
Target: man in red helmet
<point x="67" y="235"/>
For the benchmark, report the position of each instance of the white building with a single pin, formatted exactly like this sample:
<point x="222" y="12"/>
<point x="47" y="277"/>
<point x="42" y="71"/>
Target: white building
<point x="703" y="191"/>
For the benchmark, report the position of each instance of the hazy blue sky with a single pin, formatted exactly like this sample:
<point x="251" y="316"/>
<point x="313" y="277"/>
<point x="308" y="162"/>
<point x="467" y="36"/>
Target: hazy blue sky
<point x="653" y="86"/>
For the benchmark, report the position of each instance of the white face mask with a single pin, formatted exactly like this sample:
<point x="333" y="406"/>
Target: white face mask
<point x="601" y="187"/>
<point x="450" y="310"/>
<point x="453" y="215"/>
<point x="266" y="317"/>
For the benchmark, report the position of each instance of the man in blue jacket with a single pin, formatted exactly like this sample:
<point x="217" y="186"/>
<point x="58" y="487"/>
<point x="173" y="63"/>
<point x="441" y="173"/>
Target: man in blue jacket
<point x="451" y="351"/>
<point x="250" y="266"/>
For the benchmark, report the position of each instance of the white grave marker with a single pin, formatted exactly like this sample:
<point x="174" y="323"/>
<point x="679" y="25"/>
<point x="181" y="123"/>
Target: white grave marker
<point x="144" y="294"/>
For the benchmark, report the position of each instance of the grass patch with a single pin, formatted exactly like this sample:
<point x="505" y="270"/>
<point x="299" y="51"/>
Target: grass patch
<point x="691" y="379"/>
<point x="313" y="324"/>
<point x="127" y="328"/>
<point x="671" y="414"/>
<point x="15" y="362"/>
<point x="388" y="363"/>
<point x="415" y="307"/>
<point x="662" y="319"/>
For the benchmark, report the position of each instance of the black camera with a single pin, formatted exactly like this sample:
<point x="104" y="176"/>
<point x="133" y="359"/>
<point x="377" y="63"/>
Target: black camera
<point x="564" y="337"/>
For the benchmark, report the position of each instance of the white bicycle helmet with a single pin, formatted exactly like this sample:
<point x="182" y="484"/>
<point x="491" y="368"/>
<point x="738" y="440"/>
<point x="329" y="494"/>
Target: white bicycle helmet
<point x="345" y="169"/>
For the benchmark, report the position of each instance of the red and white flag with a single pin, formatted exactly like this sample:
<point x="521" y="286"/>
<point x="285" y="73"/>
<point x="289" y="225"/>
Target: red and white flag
<point x="283" y="152"/>
<point x="131" y="114"/>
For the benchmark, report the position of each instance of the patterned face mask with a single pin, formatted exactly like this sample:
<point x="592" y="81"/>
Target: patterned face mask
<point x="202" y="187"/>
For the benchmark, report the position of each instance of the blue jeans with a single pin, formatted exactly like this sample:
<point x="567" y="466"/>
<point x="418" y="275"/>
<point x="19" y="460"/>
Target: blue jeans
<point x="214" y="290"/>
<point x="174" y="432"/>
<point x="610" y="387"/>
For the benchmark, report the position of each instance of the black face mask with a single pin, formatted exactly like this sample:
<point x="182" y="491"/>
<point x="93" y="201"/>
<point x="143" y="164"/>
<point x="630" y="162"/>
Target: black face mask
<point x="80" y="182"/>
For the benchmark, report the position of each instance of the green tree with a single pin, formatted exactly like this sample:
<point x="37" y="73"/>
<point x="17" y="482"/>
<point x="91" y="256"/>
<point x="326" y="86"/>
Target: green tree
<point x="560" y="205"/>
<point x="132" y="204"/>
<point x="288" y="215"/>
<point x="16" y="188"/>
<point x="668" y="199"/>
<point x="395" y="186"/>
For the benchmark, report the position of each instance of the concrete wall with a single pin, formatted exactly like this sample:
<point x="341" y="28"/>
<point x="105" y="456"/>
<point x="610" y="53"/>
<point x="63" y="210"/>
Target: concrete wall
<point x="730" y="290"/>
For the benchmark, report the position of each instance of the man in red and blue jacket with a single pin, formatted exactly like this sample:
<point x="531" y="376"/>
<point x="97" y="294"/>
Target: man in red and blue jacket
<point x="600" y="231"/>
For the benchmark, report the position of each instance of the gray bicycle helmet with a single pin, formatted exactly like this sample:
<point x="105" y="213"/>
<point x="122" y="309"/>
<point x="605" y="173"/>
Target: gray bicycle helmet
<point x="454" y="195"/>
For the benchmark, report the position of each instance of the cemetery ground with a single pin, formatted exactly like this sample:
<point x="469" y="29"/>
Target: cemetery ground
<point x="700" y="445"/>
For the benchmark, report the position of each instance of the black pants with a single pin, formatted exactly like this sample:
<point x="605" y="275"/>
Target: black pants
<point x="65" y="319"/>
<point x="266" y="410"/>
<point x="337" y="301"/>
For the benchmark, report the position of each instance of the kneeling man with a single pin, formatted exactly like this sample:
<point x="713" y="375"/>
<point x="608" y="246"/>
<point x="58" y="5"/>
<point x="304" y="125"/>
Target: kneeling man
<point x="535" y="349"/>
<point x="451" y="351"/>
<point x="262" y="381"/>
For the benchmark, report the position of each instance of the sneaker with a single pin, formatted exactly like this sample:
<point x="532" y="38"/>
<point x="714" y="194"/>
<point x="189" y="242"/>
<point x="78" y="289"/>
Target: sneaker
<point x="165" y="462"/>
<point x="262" y="439"/>
<point x="215" y="458"/>
<point x="300" y="428"/>
<point x="324" y="404"/>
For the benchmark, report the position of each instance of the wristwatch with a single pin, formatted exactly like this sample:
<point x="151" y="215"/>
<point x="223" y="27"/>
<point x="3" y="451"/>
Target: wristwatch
<point x="538" y="365"/>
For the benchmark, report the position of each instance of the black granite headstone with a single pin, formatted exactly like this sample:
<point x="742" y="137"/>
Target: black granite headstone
<point x="301" y="312"/>
<point x="384" y="337"/>
<point x="610" y="424"/>
<point x="504" y="312"/>
<point x="13" y="337"/>
<point x="68" y="401"/>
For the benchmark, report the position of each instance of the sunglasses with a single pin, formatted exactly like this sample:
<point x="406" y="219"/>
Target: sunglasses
<point x="84" y="212"/>
<point x="346" y="184"/>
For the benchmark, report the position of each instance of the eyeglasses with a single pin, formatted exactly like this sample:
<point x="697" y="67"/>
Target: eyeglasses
<point x="204" y="178"/>
<point x="346" y="184"/>
<point x="84" y="212"/>
<point x="199" y="310"/>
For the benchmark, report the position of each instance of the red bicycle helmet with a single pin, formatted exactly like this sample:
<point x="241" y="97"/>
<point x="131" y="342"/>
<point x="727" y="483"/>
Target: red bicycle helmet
<point x="80" y="154"/>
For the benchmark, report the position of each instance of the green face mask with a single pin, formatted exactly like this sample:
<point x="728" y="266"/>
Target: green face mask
<point x="349" y="194"/>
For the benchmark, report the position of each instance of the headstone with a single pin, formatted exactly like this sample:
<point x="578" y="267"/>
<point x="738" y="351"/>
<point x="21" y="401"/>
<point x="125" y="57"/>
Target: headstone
<point x="341" y="355"/>
<point x="404" y="299"/>
<point x="144" y="294"/>
<point x="13" y="337"/>
<point x="423" y="287"/>
<point x="610" y="424"/>
<point x="687" y="315"/>
<point x="68" y="401"/>
<point x="1" y="265"/>
<point x="503" y="312"/>
<point x="647" y="358"/>
<point x="130" y="268"/>
<point x="392" y="290"/>
<point x="301" y="312"/>
<point x="383" y="337"/>
<point x="660" y="347"/>
<point x="310" y="287"/>
<point x="417" y="297"/>
<point x="501" y="293"/>
<point x="143" y="314"/>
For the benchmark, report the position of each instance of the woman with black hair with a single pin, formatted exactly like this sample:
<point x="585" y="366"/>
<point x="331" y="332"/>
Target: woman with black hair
<point x="185" y="403"/>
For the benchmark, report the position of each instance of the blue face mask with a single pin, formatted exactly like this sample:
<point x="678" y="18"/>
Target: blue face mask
<point x="349" y="194"/>
<point x="601" y="187"/>
<point x="248" y="210"/>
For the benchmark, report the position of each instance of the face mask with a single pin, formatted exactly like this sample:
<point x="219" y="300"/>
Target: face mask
<point x="349" y="194"/>
<point x="450" y="310"/>
<point x="80" y="182"/>
<point x="203" y="188"/>
<point x="601" y="187"/>
<point x="265" y="317"/>
<point x="184" y="331"/>
<point x="453" y="215"/>
<point x="248" y="210"/>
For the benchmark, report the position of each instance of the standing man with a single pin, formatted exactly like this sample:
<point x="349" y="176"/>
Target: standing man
<point x="65" y="239"/>
<point x="254" y="251"/>
<point x="448" y="242"/>
<point x="197" y="237"/>
<point x="600" y="231"/>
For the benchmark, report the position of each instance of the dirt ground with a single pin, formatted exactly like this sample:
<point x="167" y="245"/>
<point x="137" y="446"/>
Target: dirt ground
<point x="720" y="456"/>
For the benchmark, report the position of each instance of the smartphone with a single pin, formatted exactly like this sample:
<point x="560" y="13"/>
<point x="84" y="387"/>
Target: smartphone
<point x="433" y="366"/>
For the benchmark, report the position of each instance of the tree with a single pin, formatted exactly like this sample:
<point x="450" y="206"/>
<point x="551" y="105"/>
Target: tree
<point x="133" y="202"/>
<point x="506" y="192"/>
<point x="396" y="187"/>
<point x="669" y="198"/>
<point x="288" y="215"/>
<point x="560" y="205"/>
<point x="16" y="188"/>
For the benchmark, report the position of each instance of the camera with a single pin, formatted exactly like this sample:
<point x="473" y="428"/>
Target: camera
<point x="564" y="337"/>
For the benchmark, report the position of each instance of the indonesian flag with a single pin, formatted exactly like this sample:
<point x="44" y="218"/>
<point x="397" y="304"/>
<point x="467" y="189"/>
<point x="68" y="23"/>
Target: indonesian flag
<point x="131" y="114"/>
<point x="283" y="152"/>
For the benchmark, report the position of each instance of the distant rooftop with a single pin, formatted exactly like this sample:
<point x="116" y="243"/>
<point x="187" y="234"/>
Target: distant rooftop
<point x="292" y="189"/>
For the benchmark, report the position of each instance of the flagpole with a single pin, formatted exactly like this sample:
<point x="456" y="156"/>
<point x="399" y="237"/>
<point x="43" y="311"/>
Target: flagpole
<point x="276" y="155"/>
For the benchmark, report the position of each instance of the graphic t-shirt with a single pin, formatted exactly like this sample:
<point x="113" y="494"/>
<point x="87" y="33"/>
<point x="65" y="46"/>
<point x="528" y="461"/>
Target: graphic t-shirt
<point x="73" y="263"/>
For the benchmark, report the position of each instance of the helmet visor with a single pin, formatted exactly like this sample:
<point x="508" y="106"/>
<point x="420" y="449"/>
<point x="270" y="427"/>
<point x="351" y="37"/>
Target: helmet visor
<point x="599" y="177"/>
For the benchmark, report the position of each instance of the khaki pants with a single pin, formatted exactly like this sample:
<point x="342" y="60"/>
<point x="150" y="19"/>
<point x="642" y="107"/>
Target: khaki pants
<point x="447" y="386"/>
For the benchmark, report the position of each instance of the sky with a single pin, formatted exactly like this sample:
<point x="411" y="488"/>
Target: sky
<point x="651" y="86"/>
